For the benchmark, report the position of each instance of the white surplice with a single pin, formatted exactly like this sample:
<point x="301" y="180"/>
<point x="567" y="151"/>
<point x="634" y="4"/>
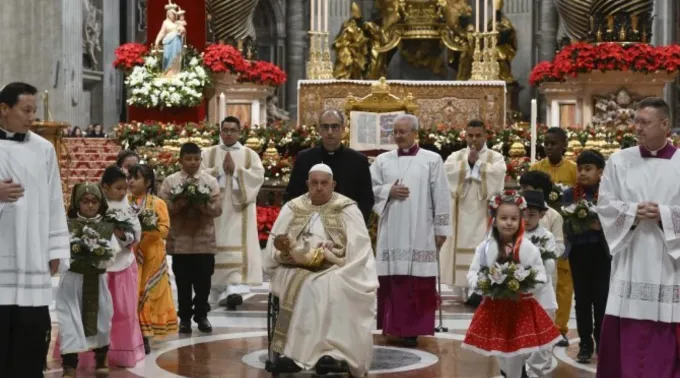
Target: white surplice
<point x="124" y="256"/>
<point x="33" y="229"/>
<point x="645" y="275"/>
<point x="336" y="303"/>
<point x="470" y="189"/>
<point x="238" y="261"/>
<point x="406" y="230"/>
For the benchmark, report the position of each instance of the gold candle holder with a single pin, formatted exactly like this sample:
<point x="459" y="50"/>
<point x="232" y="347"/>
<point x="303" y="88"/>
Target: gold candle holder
<point x="485" y="59"/>
<point x="326" y="66"/>
<point x="313" y="61"/>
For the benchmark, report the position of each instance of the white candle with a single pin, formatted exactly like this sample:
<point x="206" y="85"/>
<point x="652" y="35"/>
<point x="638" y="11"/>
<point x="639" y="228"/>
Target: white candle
<point x="486" y="16"/>
<point x="311" y="15"/>
<point x="255" y="113"/>
<point x="325" y="19"/>
<point x="534" y="115"/>
<point x="477" y="13"/>
<point x="319" y="14"/>
<point x="493" y="17"/>
<point x="222" y="108"/>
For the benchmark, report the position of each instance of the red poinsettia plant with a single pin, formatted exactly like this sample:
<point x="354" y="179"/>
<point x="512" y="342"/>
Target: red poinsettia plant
<point x="266" y="216"/>
<point x="263" y="72"/>
<point x="219" y="57"/>
<point x="582" y="57"/>
<point x="129" y="55"/>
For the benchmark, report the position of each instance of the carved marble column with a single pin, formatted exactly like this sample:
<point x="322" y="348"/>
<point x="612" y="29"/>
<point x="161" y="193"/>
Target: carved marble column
<point x="74" y="110"/>
<point x="297" y="40"/>
<point x="112" y="79"/>
<point x="339" y="12"/>
<point x="549" y="25"/>
<point x="522" y="14"/>
<point x="30" y="47"/>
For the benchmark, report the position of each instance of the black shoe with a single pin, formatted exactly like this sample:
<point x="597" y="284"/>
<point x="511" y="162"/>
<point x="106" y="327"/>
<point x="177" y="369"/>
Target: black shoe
<point x="585" y="354"/>
<point x="524" y="373"/>
<point x="328" y="364"/>
<point x="564" y="343"/>
<point x="474" y="300"/>
<point x="147" y="347"/>
<point x="410" y="342"/>
<point x="184" y="327"/>
<point x="204" y="325"/>
<point x="285" y="365"/>
<point x="234" y="300"/>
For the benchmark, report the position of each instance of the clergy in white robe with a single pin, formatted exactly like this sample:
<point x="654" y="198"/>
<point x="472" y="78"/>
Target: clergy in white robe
<point x="475" y="174"/>
<point x="412" y="201"/>
<point x="639" y="209"/>
<point x="336" y="302"/>
<point x="239" y="171"/>
<point x="33" y="233"/>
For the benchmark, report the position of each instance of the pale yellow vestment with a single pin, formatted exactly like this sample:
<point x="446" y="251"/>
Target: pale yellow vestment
<point x="328" y="311"/>
<point x="471" y="189"/>
<point x="239" y="256"/>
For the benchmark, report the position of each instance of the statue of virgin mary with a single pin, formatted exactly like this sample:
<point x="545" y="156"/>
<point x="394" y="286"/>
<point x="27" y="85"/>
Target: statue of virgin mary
<point x="172" y="40"/>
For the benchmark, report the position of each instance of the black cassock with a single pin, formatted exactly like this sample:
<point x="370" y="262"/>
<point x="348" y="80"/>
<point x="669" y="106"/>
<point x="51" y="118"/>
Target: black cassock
<point x="350" y="172"/>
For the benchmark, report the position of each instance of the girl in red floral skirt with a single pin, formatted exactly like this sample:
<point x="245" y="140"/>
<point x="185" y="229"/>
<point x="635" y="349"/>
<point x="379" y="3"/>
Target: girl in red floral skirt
<point x="513" y="328"/>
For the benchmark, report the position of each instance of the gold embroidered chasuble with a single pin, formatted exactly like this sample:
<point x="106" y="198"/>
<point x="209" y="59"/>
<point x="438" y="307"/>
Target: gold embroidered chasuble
<point x="238" y="259"/>
<point x="312" y="299"/>
<point x="471" y="188"/>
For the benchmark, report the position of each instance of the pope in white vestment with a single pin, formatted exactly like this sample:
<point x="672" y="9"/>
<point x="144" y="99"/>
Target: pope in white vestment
<point x="238" y="261"/>
<point x="326" y="310"/>
<point x="475" y="175"/>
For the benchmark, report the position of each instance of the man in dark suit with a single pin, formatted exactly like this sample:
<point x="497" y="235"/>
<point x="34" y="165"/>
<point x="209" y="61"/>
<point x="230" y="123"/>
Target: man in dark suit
<point x="350" y="168"/>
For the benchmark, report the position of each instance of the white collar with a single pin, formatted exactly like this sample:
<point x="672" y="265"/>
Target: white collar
<point x="9" y="133"/>
<point x="234" y="147"/>
<point x="655" y="152"/>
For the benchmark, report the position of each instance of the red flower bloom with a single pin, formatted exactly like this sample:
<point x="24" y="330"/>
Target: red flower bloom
<point x="129" y="55"/>
<point x="266" y="216"/>
<point x="219" y="58"/>
<point x="263" y="72"/>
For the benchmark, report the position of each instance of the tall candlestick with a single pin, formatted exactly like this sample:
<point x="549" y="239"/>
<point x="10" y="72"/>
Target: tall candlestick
<point x="493" y="17"/>
<point x="534" y="115"/>
<point x="318" y="15"/>
<point x="486" y="16"/>
<point x="477" y="16"/>
<point x="312" y="13"/>
<point x="46" y="106"/>
<point x="325" y="18"/>
<point x="222" y="109"/>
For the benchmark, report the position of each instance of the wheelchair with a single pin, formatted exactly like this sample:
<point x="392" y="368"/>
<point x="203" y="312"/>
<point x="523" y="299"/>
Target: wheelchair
<point x="273" y="357"/>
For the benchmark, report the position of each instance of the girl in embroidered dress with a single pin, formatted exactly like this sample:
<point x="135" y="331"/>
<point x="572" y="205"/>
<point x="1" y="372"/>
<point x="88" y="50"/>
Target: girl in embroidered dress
<point x="84" y="306"/>
<point x="127" y="347"/>
<point x="157" y="314"/>
<point x="506" y="328"/>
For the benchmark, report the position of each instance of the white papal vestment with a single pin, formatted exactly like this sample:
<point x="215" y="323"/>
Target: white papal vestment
<point x="471" y="188"/>
<point x="331" y="311"/>
<point x="33" y="229"/>
<point x="238" y="260"/>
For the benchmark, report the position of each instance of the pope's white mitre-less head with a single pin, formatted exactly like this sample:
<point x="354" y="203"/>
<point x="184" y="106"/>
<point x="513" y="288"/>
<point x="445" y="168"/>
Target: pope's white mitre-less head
<point x="322" y="168"/>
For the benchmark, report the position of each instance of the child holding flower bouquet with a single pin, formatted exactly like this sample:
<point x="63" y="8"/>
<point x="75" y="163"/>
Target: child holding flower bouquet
<point x="506" y="270"/>
<point x="587" y="250"/>
<point x="157" y="315"/>
<point x="84" y="306"/>
<point x="194" y="200"/>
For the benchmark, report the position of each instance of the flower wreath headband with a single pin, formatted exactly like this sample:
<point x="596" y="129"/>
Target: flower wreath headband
<point x="508" y="196"/>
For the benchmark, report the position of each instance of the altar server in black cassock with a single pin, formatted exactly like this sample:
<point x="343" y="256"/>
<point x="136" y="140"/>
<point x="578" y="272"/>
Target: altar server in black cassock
<point x="350" y="168"/>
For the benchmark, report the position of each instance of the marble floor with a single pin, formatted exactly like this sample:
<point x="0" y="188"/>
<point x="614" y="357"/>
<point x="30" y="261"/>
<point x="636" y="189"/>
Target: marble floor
<point x="237" y="348"/>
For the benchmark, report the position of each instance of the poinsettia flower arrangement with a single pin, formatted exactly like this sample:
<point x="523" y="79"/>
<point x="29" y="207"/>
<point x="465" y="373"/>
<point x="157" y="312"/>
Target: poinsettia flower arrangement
<point x="579" y="58"/>
<point x="220" y="57"/>
<point x="129" y="55"/>
<point x="263" y="72"/>
<point x="266" y="216"/>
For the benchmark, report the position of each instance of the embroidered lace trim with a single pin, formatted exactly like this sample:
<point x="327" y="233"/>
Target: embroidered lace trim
<point x="646" y="292"/>
<point x="441" y="220"/>
<point x="675" y="218"/>
<point x="621" y="216"/>
<point x="415" y="255"/>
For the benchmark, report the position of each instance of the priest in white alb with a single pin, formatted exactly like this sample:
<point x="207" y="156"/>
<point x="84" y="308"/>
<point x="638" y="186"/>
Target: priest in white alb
<point x="639" y="210"/>
<point x="322" y="270"/>
<point x="33" y="234"/>
<point x="475" y="174"/>
<point x="239" y="171"/>
<point x="412" y="201"/>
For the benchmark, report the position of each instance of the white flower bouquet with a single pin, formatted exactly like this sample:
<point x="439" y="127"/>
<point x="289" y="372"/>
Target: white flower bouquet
<point x="579" y="216"/>
<point x="89" y="247"/>
<point x="506" y="281"/>
<point x="541" y="244"/>
<point x="195" y="194"/>
<point x="148" y="220"/>
<point x="120" y="219"/>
